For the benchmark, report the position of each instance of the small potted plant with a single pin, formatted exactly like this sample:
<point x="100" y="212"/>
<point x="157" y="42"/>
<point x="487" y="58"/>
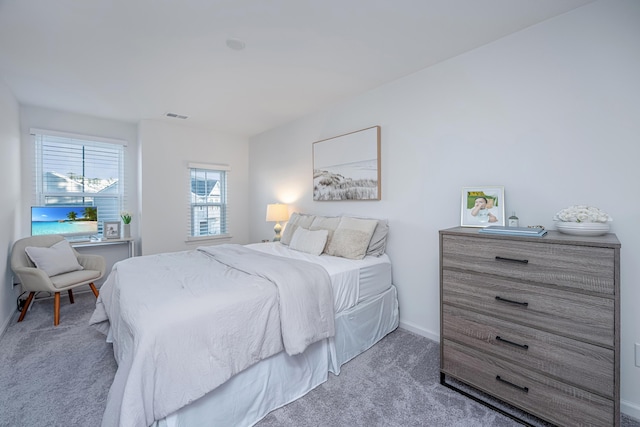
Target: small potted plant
<point x="126" y="220"/>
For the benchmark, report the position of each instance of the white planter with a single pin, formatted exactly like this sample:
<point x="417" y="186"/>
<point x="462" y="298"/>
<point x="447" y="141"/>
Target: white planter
<point x="126" y="231"/>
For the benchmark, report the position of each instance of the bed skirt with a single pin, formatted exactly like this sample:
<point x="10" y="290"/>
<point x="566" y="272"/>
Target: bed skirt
<point x="280" y="379"/>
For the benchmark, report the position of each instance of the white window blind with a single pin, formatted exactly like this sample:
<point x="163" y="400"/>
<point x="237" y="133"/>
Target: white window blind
<point x="208" y="200"/>
<point x="77" y="170"/>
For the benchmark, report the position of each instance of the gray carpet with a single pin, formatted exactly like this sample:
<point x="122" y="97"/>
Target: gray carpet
<point x="61" y="376"/>
<point x="55" y="376"/>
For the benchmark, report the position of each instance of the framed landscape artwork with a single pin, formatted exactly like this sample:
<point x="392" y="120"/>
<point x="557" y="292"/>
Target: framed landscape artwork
<point x="482" y="206"/>
<point x="347" y="167"/>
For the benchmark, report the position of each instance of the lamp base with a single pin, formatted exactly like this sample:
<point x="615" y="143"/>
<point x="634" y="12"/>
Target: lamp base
<point x="277" y="229"/>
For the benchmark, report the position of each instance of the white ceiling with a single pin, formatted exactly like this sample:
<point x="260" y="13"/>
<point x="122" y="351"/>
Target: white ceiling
<point x="140" y="59"/>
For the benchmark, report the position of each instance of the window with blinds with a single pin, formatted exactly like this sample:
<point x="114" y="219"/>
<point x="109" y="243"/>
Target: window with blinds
<point x="76" y="170"/>
<point x="208" y="204"/>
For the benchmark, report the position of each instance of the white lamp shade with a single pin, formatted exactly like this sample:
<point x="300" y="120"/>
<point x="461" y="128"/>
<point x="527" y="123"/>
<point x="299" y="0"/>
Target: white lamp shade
<point x="277" y="212"/>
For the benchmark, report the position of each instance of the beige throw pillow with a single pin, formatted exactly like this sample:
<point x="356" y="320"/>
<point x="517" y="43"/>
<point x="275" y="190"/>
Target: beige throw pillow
<point x="351" y="238"/>
<point x="55" y="260"/>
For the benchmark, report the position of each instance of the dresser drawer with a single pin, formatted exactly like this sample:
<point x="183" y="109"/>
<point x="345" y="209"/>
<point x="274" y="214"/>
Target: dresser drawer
<point x="579" y="316"/>
<point x="578" y="363"/>
<point x="549" y="399"/>
<point x="582" y="267"/>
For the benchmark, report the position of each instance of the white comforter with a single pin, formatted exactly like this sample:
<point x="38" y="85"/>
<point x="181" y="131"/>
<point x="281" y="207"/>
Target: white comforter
<point x="183" y="323"/>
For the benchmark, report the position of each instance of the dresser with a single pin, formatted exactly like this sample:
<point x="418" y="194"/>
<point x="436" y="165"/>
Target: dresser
<point x="533" y="322"/>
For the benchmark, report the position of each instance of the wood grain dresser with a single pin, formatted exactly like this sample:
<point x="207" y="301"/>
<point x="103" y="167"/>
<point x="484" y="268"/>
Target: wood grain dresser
<point x="534" y="322"/>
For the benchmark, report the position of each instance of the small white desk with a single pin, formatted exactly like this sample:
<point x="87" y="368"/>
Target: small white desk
<point x="107" y="242"/>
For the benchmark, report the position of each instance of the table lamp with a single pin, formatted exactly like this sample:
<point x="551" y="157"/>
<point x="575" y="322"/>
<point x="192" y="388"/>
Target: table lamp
<point x="277" y="212"/>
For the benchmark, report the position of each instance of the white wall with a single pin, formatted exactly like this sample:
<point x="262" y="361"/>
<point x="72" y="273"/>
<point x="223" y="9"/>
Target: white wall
<point x="551" y="113"/>
<point x="10" y="206"/>
<point x="166" y="149"/>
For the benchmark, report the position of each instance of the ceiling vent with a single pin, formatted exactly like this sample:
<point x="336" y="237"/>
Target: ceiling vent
<point x="177" y="116"/>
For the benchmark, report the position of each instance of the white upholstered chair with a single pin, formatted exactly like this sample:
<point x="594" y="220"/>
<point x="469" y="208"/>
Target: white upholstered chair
<point x="58" y="270"/>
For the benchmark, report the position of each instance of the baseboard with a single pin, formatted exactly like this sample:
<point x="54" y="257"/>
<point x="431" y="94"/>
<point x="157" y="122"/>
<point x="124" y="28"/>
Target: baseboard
<point x="630" y="409"/>
<point x="5" y="324"/>
<point x="420" y="331"/>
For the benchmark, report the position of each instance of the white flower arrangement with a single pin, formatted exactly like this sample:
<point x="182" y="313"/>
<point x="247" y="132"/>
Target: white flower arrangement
<point x="582" y="213"/>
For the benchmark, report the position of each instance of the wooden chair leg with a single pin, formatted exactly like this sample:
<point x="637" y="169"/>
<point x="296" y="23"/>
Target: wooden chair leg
<point x="56" y="309"/>
<point x="93" y="288"/>
<point x="71" y="297"/>
<point x="26" y="306"/>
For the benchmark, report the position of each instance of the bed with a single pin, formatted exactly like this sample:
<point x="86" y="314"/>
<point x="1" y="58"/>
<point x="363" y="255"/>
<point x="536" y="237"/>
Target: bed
<point x="188" y="357"/>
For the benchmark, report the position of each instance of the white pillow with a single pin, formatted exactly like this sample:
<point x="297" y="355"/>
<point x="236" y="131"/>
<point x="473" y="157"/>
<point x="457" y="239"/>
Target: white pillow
<point x="295" y="220"/>
<point x="55" y="260"/>
<point x="352" y="237"/>
<point x="311" y="242"/>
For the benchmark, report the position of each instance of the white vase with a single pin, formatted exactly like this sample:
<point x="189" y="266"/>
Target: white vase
<point x="126" y="231"/>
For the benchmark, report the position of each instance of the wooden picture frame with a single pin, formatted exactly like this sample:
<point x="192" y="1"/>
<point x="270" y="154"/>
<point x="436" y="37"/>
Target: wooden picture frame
<point x="347" y="167"/>
<point x="482" y="206"/>
<point x="111" y="229"/>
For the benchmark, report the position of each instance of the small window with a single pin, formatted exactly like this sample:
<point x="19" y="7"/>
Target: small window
<point x="78" y="170"/>
<point x="208" y="200"/>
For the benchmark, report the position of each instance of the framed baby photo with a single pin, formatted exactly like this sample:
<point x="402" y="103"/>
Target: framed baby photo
<point x="111" y="230"/>
<point x="482" y="206"/>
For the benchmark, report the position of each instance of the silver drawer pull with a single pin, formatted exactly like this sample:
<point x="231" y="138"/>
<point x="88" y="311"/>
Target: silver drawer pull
<point x="521" y="388"/>
<point x="525" y="304"/>
<point x="521" y="261"/>
<point x="523" y="346"/>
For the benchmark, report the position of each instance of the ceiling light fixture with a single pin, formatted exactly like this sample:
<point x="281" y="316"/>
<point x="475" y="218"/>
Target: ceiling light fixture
<point x="235" y="44"/>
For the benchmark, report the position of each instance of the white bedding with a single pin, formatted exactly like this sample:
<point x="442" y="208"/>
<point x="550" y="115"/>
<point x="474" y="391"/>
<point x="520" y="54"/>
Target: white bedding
<point x="352" y="281"/>
<point x="274" y="382"/>
<point x="176" y="339"/>
<point x="304" y="292"/>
